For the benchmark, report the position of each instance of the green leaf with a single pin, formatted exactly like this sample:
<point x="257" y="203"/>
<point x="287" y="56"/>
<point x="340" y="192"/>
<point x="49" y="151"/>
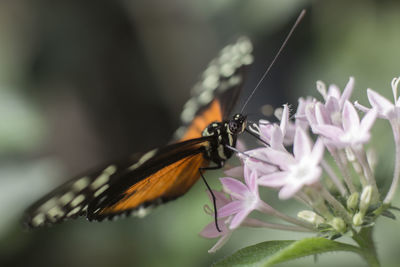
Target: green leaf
<point x="272" y="252"/>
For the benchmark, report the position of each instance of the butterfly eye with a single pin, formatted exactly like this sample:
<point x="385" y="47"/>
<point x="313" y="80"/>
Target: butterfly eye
<point x="233" y="127"/>
<point x="237" y="124"/>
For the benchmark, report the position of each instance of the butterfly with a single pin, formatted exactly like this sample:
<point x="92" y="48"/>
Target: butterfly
<point x="145" y="180"/>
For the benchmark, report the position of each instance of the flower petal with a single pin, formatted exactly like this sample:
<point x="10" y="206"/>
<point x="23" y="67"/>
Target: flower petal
<point x="210" y="231"/>
<point x="301" y="145"/>
<point x="230" y="208"/>
<point x="334" y="91"/>
<point x="317" y="151"/>
<point x="350" y="117"/>
<point x="289" y="190"/>
<point x="220" y="198"/>
<point x="276" y="179"/>
<point x="310" y="113"/>
<point x="368" y="120"/>
<point x="239" y="218"/>
<point x="329" y="131"/>
<point x="220" y="242"/>
<point x="234" y="187"/>
<point x="280" y="158"/>
<point x="251" y="182"/>
<point x="382" y="105"/>
<point x="348" y="90"/>
<point x="277" y="138"/>
<point x="266" y="131"/>
<point x="321" y="114"/>
<point x="260" y="167"/>
<point x="236" y="171"/>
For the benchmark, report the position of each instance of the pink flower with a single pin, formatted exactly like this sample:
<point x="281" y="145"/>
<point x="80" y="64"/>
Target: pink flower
<point x="334" y="92"/>
<point x="301" y="117"/>
<point x="210" y="230"/>
<point x="352" y="132"/>
<point x="299" y="169"/>
<point x="245" y="198"/>
<point x="329" y="113"/>
<point x="384" y="107"/>
<point x="274" y="134"/>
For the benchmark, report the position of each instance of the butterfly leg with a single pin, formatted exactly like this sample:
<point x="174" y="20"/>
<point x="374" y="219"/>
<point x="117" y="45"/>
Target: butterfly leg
<point x="201" y="170"/>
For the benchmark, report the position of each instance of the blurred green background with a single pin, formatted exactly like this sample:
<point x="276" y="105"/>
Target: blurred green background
<point x="84" y="82"/>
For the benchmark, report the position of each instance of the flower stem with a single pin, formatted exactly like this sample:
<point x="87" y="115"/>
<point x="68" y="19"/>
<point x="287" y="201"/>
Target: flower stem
<point x="338" y="207"/>
<point x="334" y="178"/>
<point x="256" y="223"/>
<point x="396" y="173"/>
<point x="271" y="211"/>
<point x="344" y="171"/>
<point x="368" y="251"/>
<point x="362" y="159"/>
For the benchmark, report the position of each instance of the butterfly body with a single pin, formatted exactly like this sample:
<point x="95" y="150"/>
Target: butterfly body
<point x="145" y="180"/>
<point x="225" y="134"/>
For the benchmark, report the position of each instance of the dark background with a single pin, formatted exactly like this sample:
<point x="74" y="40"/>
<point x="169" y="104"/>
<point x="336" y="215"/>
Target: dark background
<point x="84" y="82"/>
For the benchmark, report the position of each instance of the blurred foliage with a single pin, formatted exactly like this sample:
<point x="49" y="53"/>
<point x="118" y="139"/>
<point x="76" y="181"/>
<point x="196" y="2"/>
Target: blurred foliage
<point x="83" y="82"/>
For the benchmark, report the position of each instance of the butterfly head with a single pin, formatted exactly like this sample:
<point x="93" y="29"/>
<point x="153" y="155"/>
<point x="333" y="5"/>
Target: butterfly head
<point x="237" y="124"/>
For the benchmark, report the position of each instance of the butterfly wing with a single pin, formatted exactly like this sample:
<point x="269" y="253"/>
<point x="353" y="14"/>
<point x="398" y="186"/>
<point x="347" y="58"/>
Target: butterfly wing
<point x="214" y="96"/>
<point x="159" y="175"/>
<point x="148" y="179"/>
<point x="166" y="184"/>
<point x="210" y="103"/>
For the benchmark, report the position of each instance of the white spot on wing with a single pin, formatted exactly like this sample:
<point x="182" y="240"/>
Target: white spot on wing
<point x="188" y="114"/>
<point x="100" y="180"/>
<point x="55" y="212"/>
<point x="77" y="200"/>
<point x="74" y="211"/>
<point x="227" y="70"/>
<point x="143" y="159"/>
<point x="104" y="177"/>
<point x="48" y="204"/>
<point x="38" y="219"/>
<point x="66" y="198"/>
<point x="110" y="170"/>
<point x="142" y="212"/>
<point x="101" y="190"/>
<point x="211" y="82"/>
<point x="81" y="184"/>
<point x="205" y="97"/>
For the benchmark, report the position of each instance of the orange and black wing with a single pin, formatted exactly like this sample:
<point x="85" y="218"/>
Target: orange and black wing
<point x="215" y="95"/>
<point x="161" y="174"/>
<point x="143" y="180"/>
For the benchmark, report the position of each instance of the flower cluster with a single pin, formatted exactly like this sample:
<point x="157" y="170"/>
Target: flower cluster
<point x="339" y="190"/>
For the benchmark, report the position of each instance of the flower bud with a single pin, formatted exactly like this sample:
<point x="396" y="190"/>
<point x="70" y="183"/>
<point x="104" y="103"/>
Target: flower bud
<point x="365" y="199"/>
<point x="338" y="224"/>
<point x="352" y="201"/>
<point x="311" y="217"/>
<point x="358" y="219"/>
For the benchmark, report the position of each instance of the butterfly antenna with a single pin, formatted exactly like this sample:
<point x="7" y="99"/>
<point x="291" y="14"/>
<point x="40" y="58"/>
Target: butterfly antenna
<point x="246" y="155"/>
<point x="255" y="136"/>
<point x="299" y="18"/>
